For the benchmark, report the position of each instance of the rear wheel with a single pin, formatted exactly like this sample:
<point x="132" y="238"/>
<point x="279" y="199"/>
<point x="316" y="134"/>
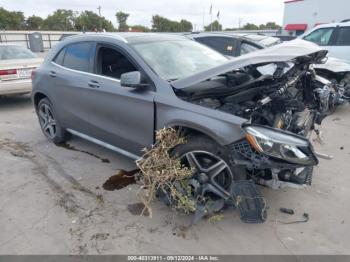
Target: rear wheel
<point x="49" y="123"/>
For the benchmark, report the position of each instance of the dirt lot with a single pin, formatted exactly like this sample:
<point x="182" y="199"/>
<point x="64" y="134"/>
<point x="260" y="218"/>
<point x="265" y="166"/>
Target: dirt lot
<point x="52" y="201"/>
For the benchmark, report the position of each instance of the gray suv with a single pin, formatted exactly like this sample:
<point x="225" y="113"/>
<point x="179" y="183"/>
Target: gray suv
<point x="116" y="90"/>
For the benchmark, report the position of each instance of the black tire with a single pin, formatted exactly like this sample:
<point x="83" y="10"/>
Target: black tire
<point x="204" y="143"/>
<point x="55" y="133"/>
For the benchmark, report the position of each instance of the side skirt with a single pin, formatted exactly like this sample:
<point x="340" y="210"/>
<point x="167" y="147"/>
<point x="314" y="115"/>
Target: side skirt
<point x="104" y="144"/>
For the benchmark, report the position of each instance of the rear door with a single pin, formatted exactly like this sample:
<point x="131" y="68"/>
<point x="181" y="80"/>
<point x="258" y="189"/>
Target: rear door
<point x="120" y="116"/>
<point x="69" y="75"/>
<point x="341" y="48"/>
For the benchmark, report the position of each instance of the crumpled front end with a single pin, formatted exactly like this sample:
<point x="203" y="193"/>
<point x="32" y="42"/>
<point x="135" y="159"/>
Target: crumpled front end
<point x="272" y="161"/>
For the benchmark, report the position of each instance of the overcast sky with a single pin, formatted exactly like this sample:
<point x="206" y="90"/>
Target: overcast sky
<point x="141" y="11"/>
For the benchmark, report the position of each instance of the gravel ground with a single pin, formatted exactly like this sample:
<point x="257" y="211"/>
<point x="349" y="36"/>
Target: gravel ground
<point x="52" y="201"/>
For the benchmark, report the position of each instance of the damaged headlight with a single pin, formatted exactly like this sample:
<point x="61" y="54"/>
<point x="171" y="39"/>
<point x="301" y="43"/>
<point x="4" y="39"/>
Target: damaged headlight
<point x="280" y="144"/>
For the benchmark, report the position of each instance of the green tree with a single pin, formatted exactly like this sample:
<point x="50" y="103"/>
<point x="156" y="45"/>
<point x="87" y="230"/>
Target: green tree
<point x="231" y="29"/>
<point x="139" y="28"/>
<point x="162" y="24"/>
<point x="90" y="21"/>
<point x="250" y="26"/>
<point x="11" y="20"/>
<point x="185" y="26"/>
<point x="215" y="26"/>
<point x="122" y="19"/>
<point x="272" y="25"/>
<point x="34" y="22"/>
<point x="61" y="19"/>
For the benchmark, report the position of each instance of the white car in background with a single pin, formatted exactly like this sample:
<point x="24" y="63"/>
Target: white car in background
<point x="333" y="37"/>
<point x="16" y="66"/>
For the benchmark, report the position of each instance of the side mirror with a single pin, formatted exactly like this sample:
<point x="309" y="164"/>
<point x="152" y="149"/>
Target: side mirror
<point x="132" y="79"/>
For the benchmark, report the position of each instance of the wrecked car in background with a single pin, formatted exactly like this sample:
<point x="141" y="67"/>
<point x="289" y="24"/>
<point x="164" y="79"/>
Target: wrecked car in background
<point x="333" y="72"/>
<point x="242" y="126"/>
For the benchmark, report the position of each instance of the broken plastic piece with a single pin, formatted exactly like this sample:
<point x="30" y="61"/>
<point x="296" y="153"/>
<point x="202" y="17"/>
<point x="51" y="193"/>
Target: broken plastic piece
<point x="305" y="216"/>
<point x="208" y="209"/>
<point x="248" y="200"/>
<point x="287" y="211"/>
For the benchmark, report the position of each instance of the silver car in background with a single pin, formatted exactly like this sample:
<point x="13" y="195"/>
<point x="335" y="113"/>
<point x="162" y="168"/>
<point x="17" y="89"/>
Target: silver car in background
<point x="16" y="66"/>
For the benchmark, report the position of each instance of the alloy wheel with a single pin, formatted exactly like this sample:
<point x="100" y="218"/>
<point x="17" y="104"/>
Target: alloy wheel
<point x="47" y="121"/>
<point x="212" y="175"/>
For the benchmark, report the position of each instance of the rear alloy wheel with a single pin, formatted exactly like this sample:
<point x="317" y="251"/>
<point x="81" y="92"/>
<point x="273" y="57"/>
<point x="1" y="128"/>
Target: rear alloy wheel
<point x="49" y="123"/>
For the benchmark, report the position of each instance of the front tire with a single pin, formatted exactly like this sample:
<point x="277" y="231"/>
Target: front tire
<point x="212" y="167"/>
<point x="49" y="123"/>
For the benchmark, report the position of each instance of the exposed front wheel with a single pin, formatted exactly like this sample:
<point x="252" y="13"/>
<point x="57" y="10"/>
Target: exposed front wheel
<point x="213" y="172"/>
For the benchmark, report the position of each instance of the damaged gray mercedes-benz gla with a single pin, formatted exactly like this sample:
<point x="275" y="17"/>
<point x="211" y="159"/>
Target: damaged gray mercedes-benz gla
<point x="241" y="124"/>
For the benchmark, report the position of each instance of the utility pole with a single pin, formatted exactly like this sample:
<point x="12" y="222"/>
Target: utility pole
<point x="211" y="17"/>
<point x="203" y="17"/>
<point x="239" y="22"/>
<point x="99" y="12"/>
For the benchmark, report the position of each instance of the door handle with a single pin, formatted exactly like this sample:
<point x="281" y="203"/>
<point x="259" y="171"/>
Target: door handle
<point x="93" y="84"/>
<point x="52" y="74"/>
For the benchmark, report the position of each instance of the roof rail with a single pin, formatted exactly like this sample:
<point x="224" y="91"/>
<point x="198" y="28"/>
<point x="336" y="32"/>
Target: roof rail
<point x="114" y="35"/>
<point x="345" y="20"/>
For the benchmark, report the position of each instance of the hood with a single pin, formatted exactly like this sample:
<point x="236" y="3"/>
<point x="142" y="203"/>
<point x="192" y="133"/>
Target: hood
<point x="334" y="65"/>
<point x="285" y="52"/>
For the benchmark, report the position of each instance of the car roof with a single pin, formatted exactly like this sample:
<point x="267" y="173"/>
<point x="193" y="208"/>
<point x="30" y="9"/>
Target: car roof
<point x="210" y="34"/>
<point x="225" y="34"/>
<point x="130" y="37"/>
<point x="332" y="25"/>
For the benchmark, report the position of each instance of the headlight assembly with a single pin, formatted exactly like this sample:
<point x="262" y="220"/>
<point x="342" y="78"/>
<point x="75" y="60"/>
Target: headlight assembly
<point x="280" y="144"/>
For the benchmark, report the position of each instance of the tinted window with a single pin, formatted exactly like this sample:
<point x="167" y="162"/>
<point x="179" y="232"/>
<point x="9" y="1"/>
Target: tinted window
<point x="224" y="45"/>
<point x="77" y="57"/>
<point x="343" y="36"/>
<point x="320" y="36"/>
<point x="112" y="63"/>
<point x="15" y="52"/>
<point x="59" y="58"/>
<point x="247" y="48"/>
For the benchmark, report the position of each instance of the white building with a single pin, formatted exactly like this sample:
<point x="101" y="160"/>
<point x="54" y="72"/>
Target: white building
<point x="302" y="15"/>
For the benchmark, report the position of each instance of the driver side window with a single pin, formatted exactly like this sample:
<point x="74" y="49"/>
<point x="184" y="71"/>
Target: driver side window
<point x="112" y="63"/>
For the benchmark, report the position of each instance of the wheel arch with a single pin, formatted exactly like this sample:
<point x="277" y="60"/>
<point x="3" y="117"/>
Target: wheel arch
<point x="193" y="129"/>
<point x="37" y="97"/>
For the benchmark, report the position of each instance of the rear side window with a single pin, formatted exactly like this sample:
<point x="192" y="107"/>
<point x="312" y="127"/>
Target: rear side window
<point x="320" y="36"/>
<point x="343" y="38"/>
<point x="224" y="45"/>
<point x="77" y="56"/>
<point x="59" y="58"/>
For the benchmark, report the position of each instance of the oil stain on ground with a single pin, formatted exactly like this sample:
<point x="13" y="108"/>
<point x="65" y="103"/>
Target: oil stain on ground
<point x="70" y="147"/>
<point x="120" y="180"/>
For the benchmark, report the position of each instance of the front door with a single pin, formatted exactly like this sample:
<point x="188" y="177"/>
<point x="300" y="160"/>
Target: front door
<point x="121" y="116"/>
<point x="341" y="48"/>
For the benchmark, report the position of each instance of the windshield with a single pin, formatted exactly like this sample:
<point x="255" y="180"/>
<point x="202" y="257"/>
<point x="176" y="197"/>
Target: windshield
<point x="15" y="52"/>
<point x="176" y="59"/>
